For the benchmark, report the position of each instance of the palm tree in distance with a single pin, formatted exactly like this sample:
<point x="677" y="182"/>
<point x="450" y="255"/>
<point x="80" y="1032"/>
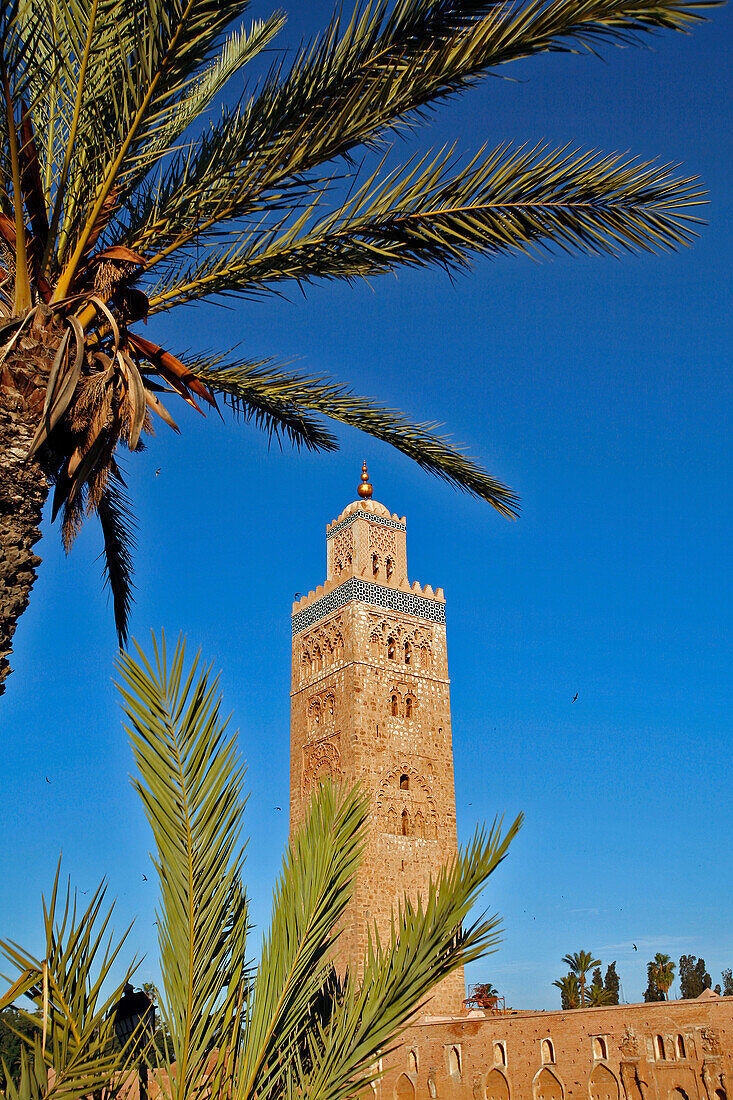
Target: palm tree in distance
<point x="569" y="991"/>
<point x="661" y="971"/>
<point x="580" y="963"/>
<point x="122" y="198"/>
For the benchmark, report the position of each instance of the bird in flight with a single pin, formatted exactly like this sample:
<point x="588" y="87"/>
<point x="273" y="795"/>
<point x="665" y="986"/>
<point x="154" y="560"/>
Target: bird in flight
<point x="157" y="471"/>
<point x="145" y="878"/>
<point x="635" y="947"/>
<point x="575" y="697"/>
<point x="297" y="595"/>
<point x="48" y="780"/>
<point x="278" y="808"/>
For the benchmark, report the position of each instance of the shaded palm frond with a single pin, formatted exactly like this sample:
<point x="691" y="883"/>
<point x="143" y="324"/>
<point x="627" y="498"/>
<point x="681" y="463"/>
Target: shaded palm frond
<point x="74" y="1030"/>
<point x="285" y="398"/>
<point x="381" y="71"/>
<point x="312" y="892"/>
<point x="428" y="942"/>
<point x="190" y="782"/>
<point x="118" y="527"/>
<point x="507" y="201"/>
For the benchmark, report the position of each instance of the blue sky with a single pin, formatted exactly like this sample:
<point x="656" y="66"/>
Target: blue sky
<point x="599" y="389"/>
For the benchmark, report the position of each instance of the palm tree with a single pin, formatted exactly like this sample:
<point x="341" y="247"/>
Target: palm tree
<point x="580" y="963"/>
<point x="121" y="199"/>
<point x="598" y="996"/>
<point x="569" y="991"/>
<point x="288" y="1027"/>
<point x="661" y="972"/>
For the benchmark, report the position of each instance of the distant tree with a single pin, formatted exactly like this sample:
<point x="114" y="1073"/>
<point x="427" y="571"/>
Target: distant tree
<point x="596" y="978"/>
<point x="718" y="990"/>
<point x="727" y="976"/>
<point x="580" y="962"/>
<point x="612" y="983"/>
<point x="569" y="987"/>
<point x="652" y="991"/>
<point x="662" y="969"/>
<point x="694" y="978"/>
<point x="485" y="994"/>
<point x="597" y="995"/>
<point x="12" y="1022"/>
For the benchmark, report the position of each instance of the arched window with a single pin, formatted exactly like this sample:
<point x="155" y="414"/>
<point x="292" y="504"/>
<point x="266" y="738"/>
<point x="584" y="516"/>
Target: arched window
<point x="404" y="782"/>
<point x="408" y="707"/>
<point x="405" y="824"/>
<point x="316" y="712"/>
<point x="390" y="648"/>
<point x="499" y="1054"/>
<point x="659" y="1047"/>
<point x="395" y="706"/>
<point x="681" y="1053"/>
<point x="412" y="1061"/>
<point x="390" y="568"/>
<point x="408" y="653"/>
<point x="454" y="1061"/>
<point x="600" y="1050"/>
<point x="375" y="564"/>
<point x="404" y="1088"/>
<point x="392" y="821"/>
<point x="548" y="1052"/>
<point x="374" y="645"/>
<point x="419" y="829"/>
<point x="603" y="1084"/>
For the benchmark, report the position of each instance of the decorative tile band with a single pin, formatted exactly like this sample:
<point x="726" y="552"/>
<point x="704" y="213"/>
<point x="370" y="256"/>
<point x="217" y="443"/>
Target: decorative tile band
<point x="355" y="589"/>
<point x="348" y="520"/>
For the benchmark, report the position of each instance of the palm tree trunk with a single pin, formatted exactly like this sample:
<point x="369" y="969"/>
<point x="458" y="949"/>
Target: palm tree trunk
<point x="23" y="486"/>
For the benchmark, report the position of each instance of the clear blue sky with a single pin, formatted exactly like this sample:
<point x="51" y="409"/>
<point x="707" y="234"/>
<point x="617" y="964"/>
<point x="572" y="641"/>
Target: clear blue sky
<point x="600" y="390"/>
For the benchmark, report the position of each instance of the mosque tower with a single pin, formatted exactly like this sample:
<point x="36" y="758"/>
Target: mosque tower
<point x="370" y="701"/>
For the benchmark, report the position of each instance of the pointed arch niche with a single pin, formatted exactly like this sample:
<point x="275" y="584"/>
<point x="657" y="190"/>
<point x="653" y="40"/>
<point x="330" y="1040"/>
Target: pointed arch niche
<point x="547" y="1086"/>
<point x="404" y="1088"/>
<point x="603" y="1084"/>
<point x="497" y="1086"/>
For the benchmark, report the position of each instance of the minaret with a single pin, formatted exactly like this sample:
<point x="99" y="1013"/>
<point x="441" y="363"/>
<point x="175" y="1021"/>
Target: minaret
<point x="370" y="702"/>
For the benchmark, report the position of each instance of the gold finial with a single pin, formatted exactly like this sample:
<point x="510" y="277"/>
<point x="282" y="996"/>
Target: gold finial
<point x="365" y="490"/>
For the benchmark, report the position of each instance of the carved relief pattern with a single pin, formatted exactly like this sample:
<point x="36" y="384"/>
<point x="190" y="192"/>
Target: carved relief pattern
<point x="321" y="760"/>
<point x="382" y="543"/>
<point x="321" y="713"/>
<point x="710" y="1040"/>
<point x="420" y="639"/>
<point x="321" y="649"/>
<point x="382" y="521"/>
<point x="407" y="810"/>
<point x="343" y="550"/>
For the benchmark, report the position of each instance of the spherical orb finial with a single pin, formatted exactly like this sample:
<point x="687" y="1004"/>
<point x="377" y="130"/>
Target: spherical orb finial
<point x="365" y="490"/>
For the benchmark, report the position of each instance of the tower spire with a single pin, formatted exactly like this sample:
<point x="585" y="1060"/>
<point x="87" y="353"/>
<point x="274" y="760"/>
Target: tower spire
<point x="365" y="490"/>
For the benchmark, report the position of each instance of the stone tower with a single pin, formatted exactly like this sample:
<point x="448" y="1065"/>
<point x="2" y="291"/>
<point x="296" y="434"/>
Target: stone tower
<point x="370" y="702"/>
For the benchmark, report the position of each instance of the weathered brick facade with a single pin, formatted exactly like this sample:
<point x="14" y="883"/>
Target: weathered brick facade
<point x="370" y="702"/>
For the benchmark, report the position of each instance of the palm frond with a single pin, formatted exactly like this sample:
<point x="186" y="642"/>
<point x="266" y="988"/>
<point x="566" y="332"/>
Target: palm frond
<point x="507" y="201"/>
<point x="383" y="70"/>
<point x="428" y="942"/>
<point x="118" y="526"/>
<point x="71" y="990"/>
<point x="314" y="888"/>
<point x="190" y="782"/>
<point x="288" y="399"/>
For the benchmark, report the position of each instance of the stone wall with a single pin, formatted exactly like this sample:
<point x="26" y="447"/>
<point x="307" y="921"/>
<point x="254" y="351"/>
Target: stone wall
<point x="663" y="1051"/>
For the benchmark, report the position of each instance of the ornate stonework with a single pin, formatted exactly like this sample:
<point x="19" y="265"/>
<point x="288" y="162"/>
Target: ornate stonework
<point x="370" y="703"/>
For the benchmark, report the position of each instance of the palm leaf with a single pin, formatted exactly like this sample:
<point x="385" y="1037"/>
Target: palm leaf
<point x="428" y="942"/>
<point x="285" y="401"/>
<point x="71" y="990"/>
<point x="190" y="782"/>
<point x="118" y="525"/>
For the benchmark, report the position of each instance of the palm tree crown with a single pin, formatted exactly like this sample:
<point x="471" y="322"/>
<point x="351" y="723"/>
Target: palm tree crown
<point x="661" y="971"/>
<point x="122" y="199"/>
<point x="580" y="962"/>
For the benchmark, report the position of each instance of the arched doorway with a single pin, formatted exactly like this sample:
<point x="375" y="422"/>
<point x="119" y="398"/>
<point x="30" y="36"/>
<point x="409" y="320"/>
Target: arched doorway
<point x="404" y="1088"/>
<point x="547" y="1086"/>
<point x="603" y="1084"/>
<point x="497" y="1087"/>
